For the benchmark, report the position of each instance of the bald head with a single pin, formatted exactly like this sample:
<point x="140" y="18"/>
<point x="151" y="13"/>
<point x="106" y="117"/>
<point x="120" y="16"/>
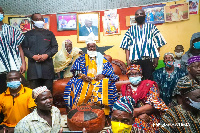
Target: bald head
<point x="139" y="11"/>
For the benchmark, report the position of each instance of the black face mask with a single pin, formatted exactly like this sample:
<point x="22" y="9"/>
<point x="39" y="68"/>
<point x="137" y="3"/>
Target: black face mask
<point x="140" y="19"/>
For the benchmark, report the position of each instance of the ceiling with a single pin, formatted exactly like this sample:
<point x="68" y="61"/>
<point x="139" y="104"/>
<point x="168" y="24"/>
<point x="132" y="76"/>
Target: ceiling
<point x="27" y="7"/>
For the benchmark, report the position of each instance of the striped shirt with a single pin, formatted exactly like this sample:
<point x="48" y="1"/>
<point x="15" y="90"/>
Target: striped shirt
<point x="10" y="39"/>
<point x="142" y="41"/>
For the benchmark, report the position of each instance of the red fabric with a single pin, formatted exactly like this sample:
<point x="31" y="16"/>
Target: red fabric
<point x="141" y="91"/>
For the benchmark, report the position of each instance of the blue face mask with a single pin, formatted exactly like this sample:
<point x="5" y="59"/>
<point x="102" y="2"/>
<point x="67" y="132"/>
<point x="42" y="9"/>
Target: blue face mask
<point x="169" y="64"/>
<point x="197" y="45"/>
<point x="195" y="104"/>
<point x="1" y="17"/>
<point x="135" y="80"/>
<point x="13" y="84"/>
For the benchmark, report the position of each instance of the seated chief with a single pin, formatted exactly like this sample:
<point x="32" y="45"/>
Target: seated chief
<point x="88" y="29"/>
<point x="93" y="81"/>
<point x="64" y="59"/>
<point x="16" y="102"/>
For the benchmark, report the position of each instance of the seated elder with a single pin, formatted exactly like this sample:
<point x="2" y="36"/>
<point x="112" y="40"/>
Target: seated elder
<point x="148" y="103"/>
<point x="93" y="81"/>
<point x="45" y="118"/>
<point x="184" y="118"/>
<point x="191" y="80"/>
<point x="64" y="59"/>
<point x="167" y="77"/>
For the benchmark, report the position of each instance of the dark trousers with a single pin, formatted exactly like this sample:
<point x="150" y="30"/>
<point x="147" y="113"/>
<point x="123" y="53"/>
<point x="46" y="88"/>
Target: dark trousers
<point x="3" y="84"/>
<point x="147" y="68"/>
<point x="41" y="82"/>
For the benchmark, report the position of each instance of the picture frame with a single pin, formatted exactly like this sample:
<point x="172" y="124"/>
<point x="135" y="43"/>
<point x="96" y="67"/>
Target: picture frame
<point x="193" y="6"/>
<point x="66" y="22"/>
<point x="23" y="24"/>
<point x="154" y="14"/>
<point x="111" y="24"/>
<point x="177" y="12"/>
<point x="46" y="22"/>
<point x="85" y="20"/>
<point x="132" y="20"/>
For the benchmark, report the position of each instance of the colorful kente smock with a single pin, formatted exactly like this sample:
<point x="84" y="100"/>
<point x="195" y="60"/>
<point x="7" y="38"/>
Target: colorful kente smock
<point x="103" y="91"/>
<point x="178" y="120"/>
<point x="152" y="98"/>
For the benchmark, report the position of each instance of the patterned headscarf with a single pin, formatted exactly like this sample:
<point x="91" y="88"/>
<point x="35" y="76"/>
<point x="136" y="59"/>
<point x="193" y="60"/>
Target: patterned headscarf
<point x="134" y="67"/>
<point x="125" y="103"/>
<point x="37" y="91"/>
<point x="193" y="59"/>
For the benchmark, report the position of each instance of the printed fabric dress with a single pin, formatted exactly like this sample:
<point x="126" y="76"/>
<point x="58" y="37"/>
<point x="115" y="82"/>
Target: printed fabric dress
<point x="151" y="98"/>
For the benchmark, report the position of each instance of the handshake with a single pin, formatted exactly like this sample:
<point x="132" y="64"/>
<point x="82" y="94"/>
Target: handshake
<point x="40" y="58"/>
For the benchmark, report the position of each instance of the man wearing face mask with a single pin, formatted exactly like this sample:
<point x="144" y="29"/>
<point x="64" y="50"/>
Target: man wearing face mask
<point x="16" y="102"/>
<point x="93" y="81"/>
<point x="11" y="53"/>
<point x="146" y="96"/>
<point x="185" y="117"/>
<point x="179" y="49"/>
<point x="142" y="43"/>
<point x="194" y="50"/>
<point x="167" y="77"/>
<point x="39" y="47"/>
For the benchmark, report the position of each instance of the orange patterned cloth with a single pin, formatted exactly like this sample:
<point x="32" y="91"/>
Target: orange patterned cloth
<point x="134" y="67"/>
<point x="152" y="98"/>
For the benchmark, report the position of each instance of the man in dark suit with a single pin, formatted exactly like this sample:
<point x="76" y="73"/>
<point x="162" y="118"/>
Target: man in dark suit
<point x="88" y="29"/>
<point x="39" y="47"/>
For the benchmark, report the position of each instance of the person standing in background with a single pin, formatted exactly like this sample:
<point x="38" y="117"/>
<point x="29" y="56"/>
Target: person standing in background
<point x="142" y="43"/>
<point x="11" y="53"/>
<point x="39" y="47"/>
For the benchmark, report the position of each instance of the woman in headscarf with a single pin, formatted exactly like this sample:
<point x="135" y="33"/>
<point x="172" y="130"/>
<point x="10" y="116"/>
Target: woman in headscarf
<point x="148" y="103"/>
<point x="64" y="59"/>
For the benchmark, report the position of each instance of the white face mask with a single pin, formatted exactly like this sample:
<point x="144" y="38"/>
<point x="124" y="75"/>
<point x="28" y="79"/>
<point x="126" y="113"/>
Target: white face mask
<point x="92" y="53"/>
<point x="194" y="104"/>
<point x="179" y="54"/>
<point x="39" y="24"/>
<point x="135" y="80"/>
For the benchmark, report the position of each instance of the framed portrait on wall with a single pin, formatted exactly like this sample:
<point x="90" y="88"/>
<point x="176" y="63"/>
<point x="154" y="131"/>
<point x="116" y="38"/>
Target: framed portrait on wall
<point x="111" y="23"/>
<point x="154" y="14"/>
<point x="176" y="12"/>
<point x="46" y="22"/>
<point x="23" y="24"/>
<point x="193" y="6"/>
<point x="88" y="24"/>
<point x="66" y="22"/>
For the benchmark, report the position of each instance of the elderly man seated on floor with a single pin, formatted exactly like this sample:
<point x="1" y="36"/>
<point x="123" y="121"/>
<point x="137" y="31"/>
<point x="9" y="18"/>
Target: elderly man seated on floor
<point x="93" y="81"/>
